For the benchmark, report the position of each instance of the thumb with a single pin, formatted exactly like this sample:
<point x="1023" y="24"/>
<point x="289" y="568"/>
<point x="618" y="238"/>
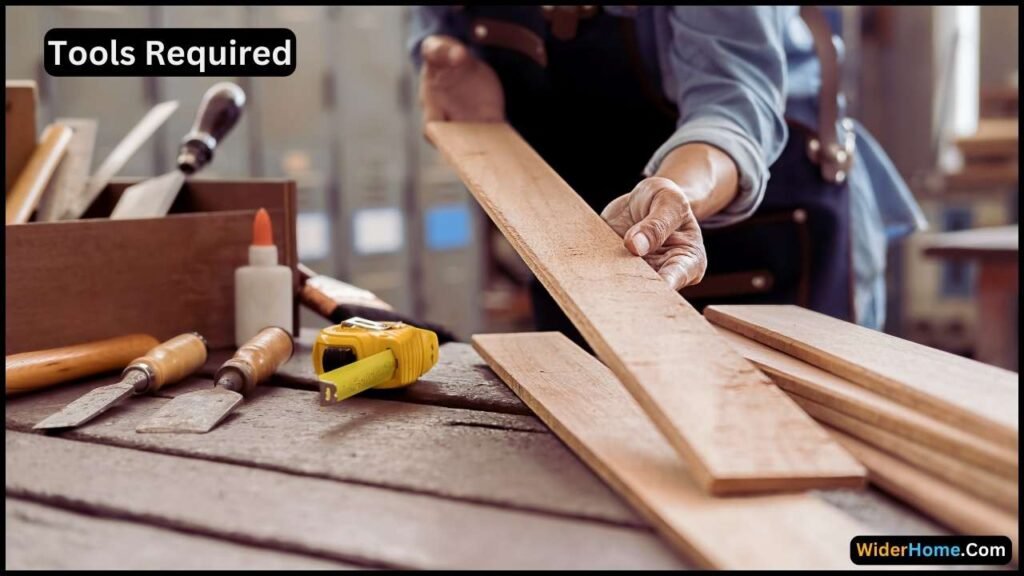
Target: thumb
<point x="667" y="212"/>
<point x="443" y="52"/>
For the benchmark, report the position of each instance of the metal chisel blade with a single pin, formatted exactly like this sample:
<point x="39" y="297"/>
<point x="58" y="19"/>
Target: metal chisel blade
<point x="87" y="407"/>
<point x="195" y="412"/>
<point x="149" y="199"/>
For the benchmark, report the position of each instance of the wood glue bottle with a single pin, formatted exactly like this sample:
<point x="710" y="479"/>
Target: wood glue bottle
<point x="263" y="289"/>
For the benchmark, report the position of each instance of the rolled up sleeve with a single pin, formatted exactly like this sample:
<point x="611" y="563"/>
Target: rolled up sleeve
<point x="726" y="68"/>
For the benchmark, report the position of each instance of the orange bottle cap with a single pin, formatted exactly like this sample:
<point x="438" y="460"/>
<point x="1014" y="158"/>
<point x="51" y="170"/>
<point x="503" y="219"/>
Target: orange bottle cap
<point x="262" y="232"/>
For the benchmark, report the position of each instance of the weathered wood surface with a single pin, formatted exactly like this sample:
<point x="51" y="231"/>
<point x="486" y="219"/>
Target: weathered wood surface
<point x="949" y="505"/>
<point x="981" y="483"/>
<point x="583" y="402"/>
<point x="977" y="397"/>
<point x="347" y="522"/>
<point x="712" y="405"/>
<point x="39" y="537"/>
<point x="798" y="377"/>
<point x="502" y="459"/>
<point x="460" y="380"/>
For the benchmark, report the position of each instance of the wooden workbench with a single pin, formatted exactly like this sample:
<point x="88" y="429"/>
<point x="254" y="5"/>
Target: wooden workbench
<point x="453" y="472"/>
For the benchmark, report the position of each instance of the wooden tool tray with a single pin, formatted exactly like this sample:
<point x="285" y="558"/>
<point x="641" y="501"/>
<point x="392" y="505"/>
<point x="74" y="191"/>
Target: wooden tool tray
<point x="73" y="281"/>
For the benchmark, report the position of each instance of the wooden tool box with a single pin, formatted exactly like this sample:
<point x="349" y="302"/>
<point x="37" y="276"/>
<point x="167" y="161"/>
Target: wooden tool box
<point x="73" y="281"/>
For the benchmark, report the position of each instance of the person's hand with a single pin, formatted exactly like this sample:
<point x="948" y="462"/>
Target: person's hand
<point x="656" y="222"/>
<point x="456" y="86"/>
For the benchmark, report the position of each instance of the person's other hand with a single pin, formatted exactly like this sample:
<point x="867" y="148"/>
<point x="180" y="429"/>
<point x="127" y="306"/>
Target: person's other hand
<point x="656" y="222"/>
<point x="457" y="86"/>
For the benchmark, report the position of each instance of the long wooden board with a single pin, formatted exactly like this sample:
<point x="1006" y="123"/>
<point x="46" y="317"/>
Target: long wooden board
<point x="841" y="395"/>
<point x="981" y="483"/>
<point x="340" y="521"/>
<point x="738" y="432"/>
<point x="979" y="398"/>
<point x="498" y="459"/>
<point x="580" y="399"/>
<point x="947" y="504"/>
<point x="38" y="537"/>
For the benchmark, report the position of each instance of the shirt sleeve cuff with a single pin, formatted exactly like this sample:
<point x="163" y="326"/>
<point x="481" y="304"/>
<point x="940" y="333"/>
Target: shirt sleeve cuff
<point x="724" y="135"/>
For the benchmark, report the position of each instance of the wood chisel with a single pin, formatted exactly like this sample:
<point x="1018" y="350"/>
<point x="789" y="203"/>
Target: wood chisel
<point x="360" y="354"/>
<point x="164" y="364"/>
<point x="218" y="113"/>
<point x="29" y="371"/>
<point x="72" y="175"/>
<point x="120" y="156"/>
<point x="28" y="189"/>
<point x="253" y="363"/>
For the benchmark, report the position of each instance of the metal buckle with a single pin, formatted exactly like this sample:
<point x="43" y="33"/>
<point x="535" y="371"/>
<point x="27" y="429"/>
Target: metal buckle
<point x="836" y="159"/>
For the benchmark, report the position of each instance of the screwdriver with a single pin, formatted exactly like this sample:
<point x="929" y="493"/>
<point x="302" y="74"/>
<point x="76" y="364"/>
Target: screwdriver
<point x="164" y="364"/>
<point x="253" y="363"/>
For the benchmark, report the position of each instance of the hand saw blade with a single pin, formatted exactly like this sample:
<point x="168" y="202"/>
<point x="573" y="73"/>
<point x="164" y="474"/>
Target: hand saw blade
<point x="87" y="407"/>
<point x="195" y="412"/>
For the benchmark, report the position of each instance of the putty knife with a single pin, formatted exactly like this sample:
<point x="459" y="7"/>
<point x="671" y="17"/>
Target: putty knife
<point x="218" y="113"/>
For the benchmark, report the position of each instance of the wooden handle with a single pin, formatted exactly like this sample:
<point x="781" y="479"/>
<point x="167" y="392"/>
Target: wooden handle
<point x="260" y="357"/>
<point x="173" y="360"/>
<point x="28" y="188"/>
<point x="34" y="370"/>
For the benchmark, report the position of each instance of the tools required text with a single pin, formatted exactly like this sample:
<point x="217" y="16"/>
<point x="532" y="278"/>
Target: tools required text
<point x="169" y="52"/>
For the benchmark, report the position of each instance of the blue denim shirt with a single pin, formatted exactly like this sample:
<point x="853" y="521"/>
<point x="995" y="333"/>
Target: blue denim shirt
<point x="735" y="73"/>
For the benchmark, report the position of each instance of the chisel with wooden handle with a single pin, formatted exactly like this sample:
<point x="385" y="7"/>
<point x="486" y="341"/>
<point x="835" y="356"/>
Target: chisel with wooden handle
<point x="167" y="363"/>
<point x="253" y="363"/>
<point x="34" y="370"/>
<point x="28" y="188"/>
<point x="218" y="113"/>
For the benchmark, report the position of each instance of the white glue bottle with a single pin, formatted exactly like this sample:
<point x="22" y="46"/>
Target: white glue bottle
<point x="263" y="289"/>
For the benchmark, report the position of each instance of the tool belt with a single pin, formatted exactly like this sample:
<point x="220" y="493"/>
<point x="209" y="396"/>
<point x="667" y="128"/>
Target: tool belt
<point x="831" y="147"/>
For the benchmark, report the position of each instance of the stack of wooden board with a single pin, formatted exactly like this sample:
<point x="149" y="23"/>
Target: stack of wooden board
<point x="937" y="430"/>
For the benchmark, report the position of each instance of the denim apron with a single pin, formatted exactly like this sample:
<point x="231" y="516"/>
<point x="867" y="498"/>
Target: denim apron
<point x="595" y="115"/>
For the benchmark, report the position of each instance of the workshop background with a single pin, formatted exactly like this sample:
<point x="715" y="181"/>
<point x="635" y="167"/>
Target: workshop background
<point x="378" y="208"/>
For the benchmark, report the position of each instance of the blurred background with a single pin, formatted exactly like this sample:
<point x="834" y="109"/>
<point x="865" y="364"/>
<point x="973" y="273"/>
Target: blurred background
<point x="378" y="208"/>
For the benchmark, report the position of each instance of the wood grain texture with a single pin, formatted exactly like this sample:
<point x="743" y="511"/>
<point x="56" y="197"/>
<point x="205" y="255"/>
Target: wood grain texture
<point x="580" y="399"/>
<point x="27" y="190"/>
<point x="38" y="537"/>
<point x="34" y="370"/>
<point x="949" y="505"/>
<point x="738" y="432"/>
<point x="340" y="521"/>
<point x="983" y="484"/>
<point x="72" y="175"/>
<point x="841" y="395"/>
<point x="976" y="397"/>
<point x="69" y="282"/>
<point x="20" y="130"/>
<point x="498" y="459"/>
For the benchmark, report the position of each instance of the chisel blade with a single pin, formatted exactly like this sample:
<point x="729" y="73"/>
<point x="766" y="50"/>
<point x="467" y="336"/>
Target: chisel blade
<point x="149" y="199"/>
<point x="87" y="407"/>
<point x="195" y="412"/>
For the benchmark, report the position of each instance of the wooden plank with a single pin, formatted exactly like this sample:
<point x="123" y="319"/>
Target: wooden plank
<point x="798" y="377"/>
<point x="580" y="399"/>
<point x="711" y="404"/>
<point x="949" y="505"/>
<point x="976" y="397"/>
<point x="460" y="379"/>
<point x="981" y="483"/>
<point x="341" y="521"/>
<point x="499" y="459"/>
<point x="38" y="537"/>
<point x="20" y="132"/>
